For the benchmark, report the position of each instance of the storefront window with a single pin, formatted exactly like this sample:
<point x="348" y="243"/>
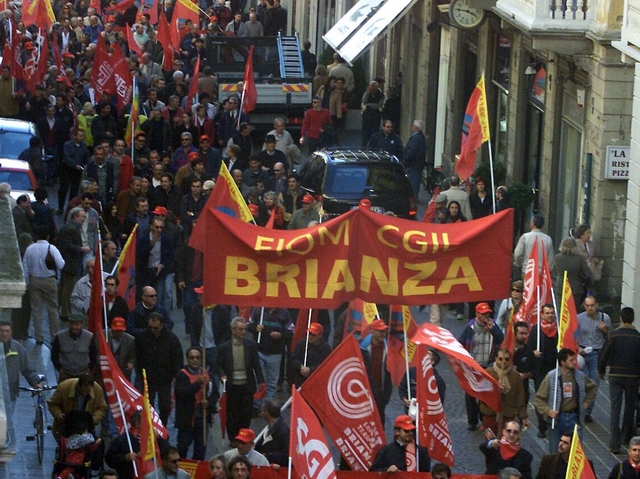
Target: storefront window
<point x="568" y="179"/>
<point x="503" y="62"/>
<point x="502" y="66"/>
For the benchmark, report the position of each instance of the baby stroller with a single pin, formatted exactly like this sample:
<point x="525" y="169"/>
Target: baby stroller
<point x="76" y="448"/>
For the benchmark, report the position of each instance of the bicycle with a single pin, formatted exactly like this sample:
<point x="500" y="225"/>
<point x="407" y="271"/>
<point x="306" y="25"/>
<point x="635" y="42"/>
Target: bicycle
<point x="40" y="419"/>
<point x="431" y="178"/>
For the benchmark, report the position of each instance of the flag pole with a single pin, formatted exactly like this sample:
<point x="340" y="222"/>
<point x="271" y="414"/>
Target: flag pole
<point x="289" y="469"/>
<point x="538" y="314"/>
<point x="306" y="346"/>
<point x="126" y="431"/>
<point x="493" y="181"/>
<point x="261" y="319"/>
<point x="204" y="386"/>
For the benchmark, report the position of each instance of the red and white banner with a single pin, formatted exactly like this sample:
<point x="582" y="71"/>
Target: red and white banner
<point x="308" y="449"/>
<point x="402" y="261"/>
<point x="110" y="73"/>
<point x="473" y="378"/>
<point x="536" y="275"/>
<point x="113" y="380"/>
<point x="433" y="431"/>
<point x="340" y="394"/>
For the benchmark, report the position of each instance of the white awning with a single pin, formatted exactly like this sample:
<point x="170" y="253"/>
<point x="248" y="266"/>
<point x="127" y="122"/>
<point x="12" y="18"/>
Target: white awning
<point x="354" y="32"/>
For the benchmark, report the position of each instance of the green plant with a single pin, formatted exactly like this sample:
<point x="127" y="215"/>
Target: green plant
<point x="522" y="196"/>
<point x="499" y="173"/>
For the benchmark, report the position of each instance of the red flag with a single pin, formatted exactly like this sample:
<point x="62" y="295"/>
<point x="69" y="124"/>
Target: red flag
<point x="149" y="7"/>
<point x="164" y="37"/>
<point x="96" y="4"/>
<point x="475" y="131"/>
<point x="17" y="70"/>
<point x="114" y="381"/>
<point x="433" y="431"/>
<point x="38" y="12"/>
<point x="33" y="72"/>
<point x="222" y="412"/>
<point x="111" y="73"/>
<point x="473" y="378"/>
<point x="308" y="449"/>
<point x="509" y="342"/>
<point x="340" y="394"/>
<point x="184" y="10"/>
<point x="302" y="322"/>
<point x="359" y="316"/>
<point x="193" y="87"/>
<point x="568" y="321"/>
<point x="579" y="466"/>
<point x="431" y="208"/>
<point x="127" y="270"/>
<point x="134" y="46"/>
<point x="123" y="6"/>
<point x="250" y="93"/>
<point x="96" y="307"/>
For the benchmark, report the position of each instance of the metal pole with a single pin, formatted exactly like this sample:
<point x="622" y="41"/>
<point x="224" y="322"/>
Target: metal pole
<point x="493" y="181"/>
<point x="306" y="346"/>
<point x="539" y="325"/>
<point x="261" y="319"/>
<point x="104" y="300"/>
<point x="126" y="431"/>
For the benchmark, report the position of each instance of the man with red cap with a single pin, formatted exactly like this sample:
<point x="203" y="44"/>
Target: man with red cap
<point x="186" y="169"/>
<point x="211" y="157"/>
<point x="374" y="354"/>
<point x="302" y="217"/>
<point x="123" y="345"/>
<point x="316" y="352"/>
<point x="245" y="441"/>
<point x="402" y="454"/>
<point x="482" y="338"/>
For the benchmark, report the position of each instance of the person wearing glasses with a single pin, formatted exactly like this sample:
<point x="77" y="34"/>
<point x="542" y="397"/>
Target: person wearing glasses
<point x="315" y="120"/>
<point x="155" y="258"/>
<point x="506" y="451"/>
<point x="510" y="306"/>
<point x="170" y="468"/>
<point x="159" y="353"/>
<point x="139" y="315"/>
<point x="194" y="404"/>
<point x="512" y="403"/>
<point x="482" y="338"/>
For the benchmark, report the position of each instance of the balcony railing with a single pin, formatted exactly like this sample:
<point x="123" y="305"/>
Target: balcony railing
<point x="549" y="15"/>
<point x="568" y="9"/>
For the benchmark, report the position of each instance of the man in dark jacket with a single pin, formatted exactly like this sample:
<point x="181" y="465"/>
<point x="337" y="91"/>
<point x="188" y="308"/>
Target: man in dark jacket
<point x="387" y="140"/>
<point x="274" y="443"/>
<point x="240" y="387"/>
<point x="159" y="353"/>
<point x="415" y="155"/>
<point x="140" y="314"/>
<point x="374" y="354"/>
<point x="154" y="258"/>
<point x="393" y="456"/>
<point x="193" y="402"/>
<point x="622" y="355"/>
<point x="104" y="126"/>
<point x="167" y="195"/>
<point x="507" y="452"/>
<point x="317" y="351"/>
<point x="102" y="172"/>
<point x="74" y="157"/>
<point x="553" y="466"/>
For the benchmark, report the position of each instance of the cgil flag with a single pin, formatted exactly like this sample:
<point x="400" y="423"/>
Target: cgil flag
<point x="184" y="10"/>
<point x="568" y="321"/>
<point x="579" y="466"/>
<point x="360" y="315"/>
<point x="475" y="130"/>
<point x="433" y="430"/>
<point x="193" y="87"/>
<point x="38" y="12"/>
<point x="308" y="449"/>
<point x="133" y="125"/>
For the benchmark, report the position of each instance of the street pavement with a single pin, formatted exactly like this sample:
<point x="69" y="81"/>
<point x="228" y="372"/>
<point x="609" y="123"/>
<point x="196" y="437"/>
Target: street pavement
<point x="469" y="460"/>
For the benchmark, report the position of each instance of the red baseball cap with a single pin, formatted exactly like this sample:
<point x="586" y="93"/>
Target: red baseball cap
<point x="404" y="422"/>
<point x="194" y="155"/>
<point x="140" y="133"/>
<point x="160" y="210"/>
<point x="316" y="329"/>
<point x="204" y="138"/>
<point x="255" y="209"/>
<point x="29" y="46"/>
<point x="68" y="55"/>
<point x="307" y="199"/>
<point x="199" y="290"/>
<point x="483" y="308"/>
<point x="118" y="324"/>
<point x="378" y="325"/>
<point x="246" y="435"/>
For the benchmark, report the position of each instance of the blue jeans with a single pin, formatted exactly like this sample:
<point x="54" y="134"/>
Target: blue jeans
<point x="189" y="298"/>
<point x="565" y="423"/>
<point x="619" y="387"/>
<point x="590" y="369"/>
<point x="164" y="289"/>
<point x="271" y="370"/>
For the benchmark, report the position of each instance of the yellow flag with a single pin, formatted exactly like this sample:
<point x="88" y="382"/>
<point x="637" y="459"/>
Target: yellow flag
<point x="578" y="467"/>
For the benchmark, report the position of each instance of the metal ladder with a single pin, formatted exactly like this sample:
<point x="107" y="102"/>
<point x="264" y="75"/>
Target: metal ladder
<point x="290" y="57"/>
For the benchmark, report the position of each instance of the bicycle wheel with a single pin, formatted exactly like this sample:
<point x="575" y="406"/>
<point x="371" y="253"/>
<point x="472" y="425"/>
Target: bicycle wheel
<point x="39" y="425"/>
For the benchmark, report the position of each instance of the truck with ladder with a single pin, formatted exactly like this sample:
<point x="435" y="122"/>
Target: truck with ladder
<point x="283" y="91"/>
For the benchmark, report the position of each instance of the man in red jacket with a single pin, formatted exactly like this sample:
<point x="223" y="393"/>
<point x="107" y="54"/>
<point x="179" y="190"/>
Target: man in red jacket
<point x="313" y="124"/>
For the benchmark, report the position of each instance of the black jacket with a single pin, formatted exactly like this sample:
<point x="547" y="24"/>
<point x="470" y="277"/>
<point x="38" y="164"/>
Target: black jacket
<point x="393" y="454"/>
<point x="621" y="353"/>
<point x="316" y="354"/>
<point x="392" y="144"/>
<point x="70" y="246"/>
<point x="494" y="462"/>
<point x="186" y="407"/>
<point x="224" y="363"/>
<point x="274" y="445"/>
<point x="161" y="357"/>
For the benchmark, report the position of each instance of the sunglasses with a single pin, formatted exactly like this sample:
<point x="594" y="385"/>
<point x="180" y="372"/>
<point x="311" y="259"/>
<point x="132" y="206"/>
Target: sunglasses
<point x="512" y="431"/>
<point x="516" y="290"/>
<point x="150" y="295"/>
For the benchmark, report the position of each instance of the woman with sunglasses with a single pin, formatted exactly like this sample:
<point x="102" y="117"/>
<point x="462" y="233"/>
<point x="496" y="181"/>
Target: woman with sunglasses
<point x="510" y="306"/>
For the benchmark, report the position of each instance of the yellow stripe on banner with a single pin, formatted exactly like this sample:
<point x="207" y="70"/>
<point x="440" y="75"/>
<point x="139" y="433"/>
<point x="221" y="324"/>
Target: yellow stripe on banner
<point x="230" y="87"/>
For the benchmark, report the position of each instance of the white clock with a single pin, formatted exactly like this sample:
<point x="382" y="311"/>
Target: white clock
<point x="465" y="15"/>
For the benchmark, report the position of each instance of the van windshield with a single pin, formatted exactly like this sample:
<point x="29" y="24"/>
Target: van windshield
<point x="12" y="143"/>
<point x="350" y="181"/>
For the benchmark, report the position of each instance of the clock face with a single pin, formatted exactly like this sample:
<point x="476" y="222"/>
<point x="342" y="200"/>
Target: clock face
<point x="466" y="15"/>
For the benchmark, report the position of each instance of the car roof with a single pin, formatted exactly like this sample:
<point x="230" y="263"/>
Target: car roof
<point x="7" y="164"/>
<point x="356" y="155"/>
<point x="20" y="126"/>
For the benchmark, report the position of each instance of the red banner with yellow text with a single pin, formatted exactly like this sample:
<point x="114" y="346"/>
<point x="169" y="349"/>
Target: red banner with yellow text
<point x="200" y="470"/>
<point x="377" y="258"/>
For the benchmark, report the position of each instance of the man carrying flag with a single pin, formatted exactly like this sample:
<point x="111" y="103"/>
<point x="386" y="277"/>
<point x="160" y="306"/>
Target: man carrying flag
<point x="402" y="454"/>
<point x="563" y="395"/>
<point x="556" y="465"/>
